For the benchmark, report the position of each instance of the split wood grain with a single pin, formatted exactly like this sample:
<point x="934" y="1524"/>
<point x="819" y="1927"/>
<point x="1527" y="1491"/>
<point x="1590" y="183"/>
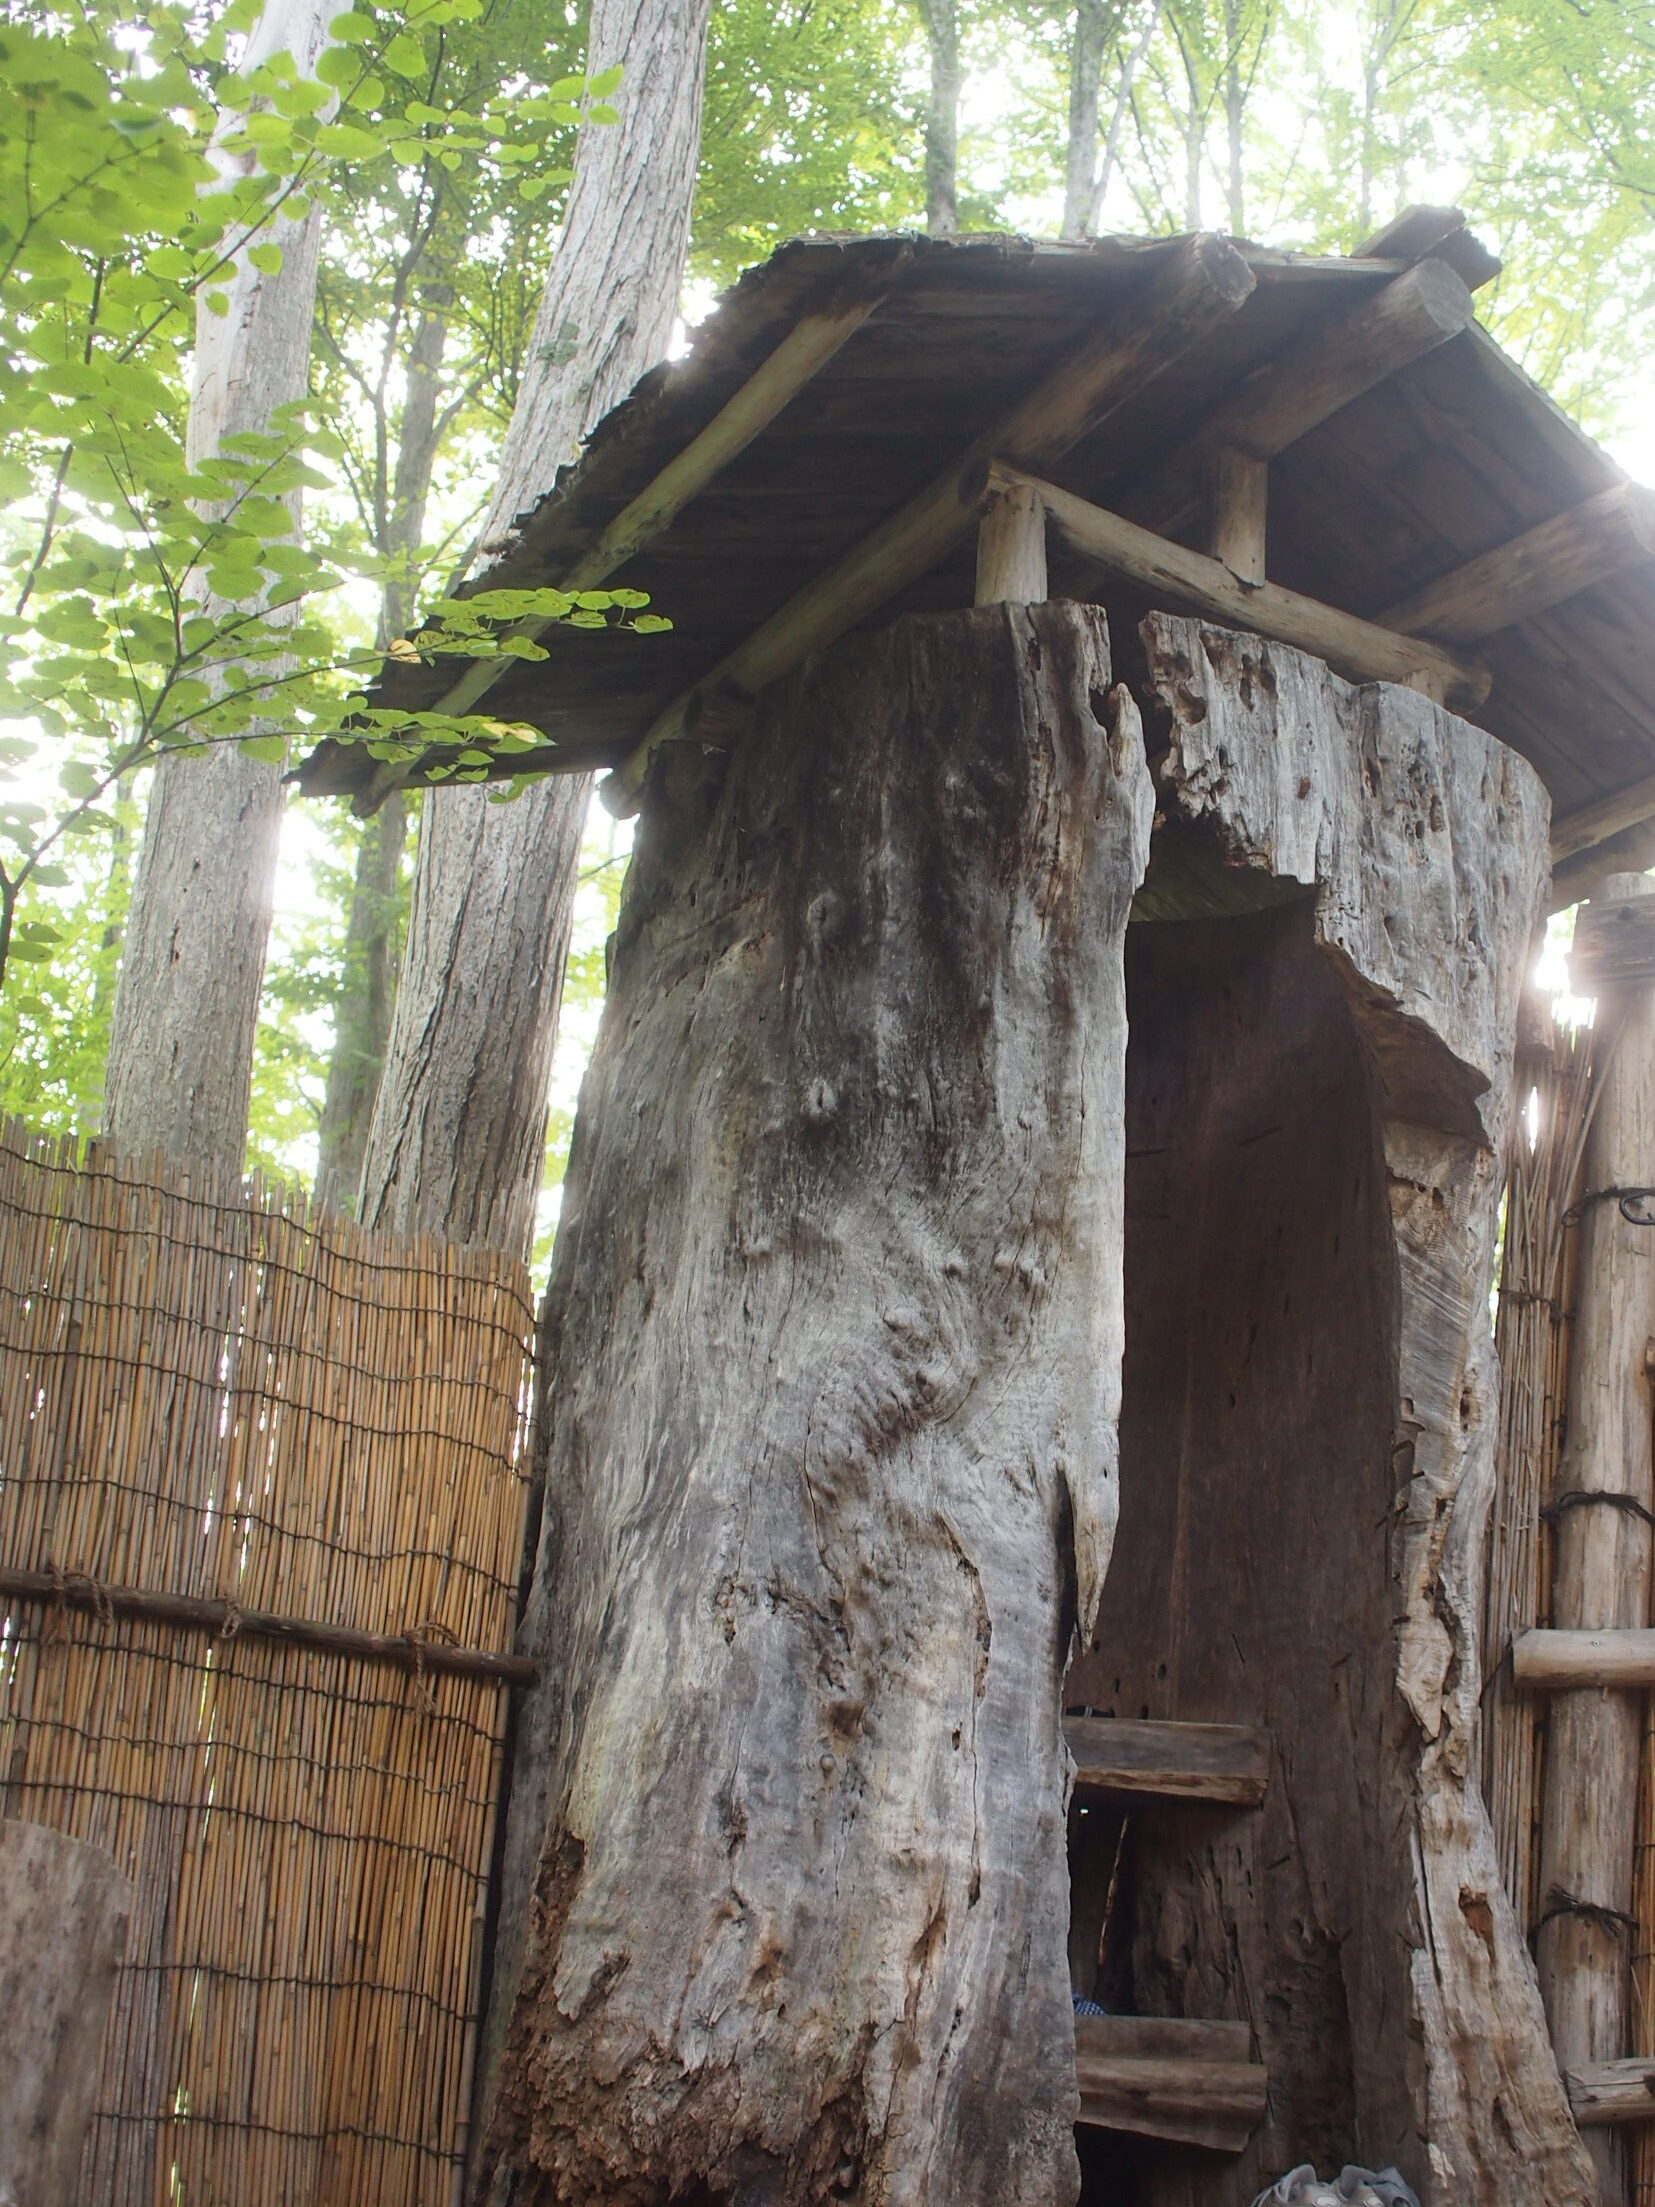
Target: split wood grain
<point x="1222" y="1763"/>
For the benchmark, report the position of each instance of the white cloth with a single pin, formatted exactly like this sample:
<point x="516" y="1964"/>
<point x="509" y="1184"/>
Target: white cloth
<point x="1353" y="2187"/>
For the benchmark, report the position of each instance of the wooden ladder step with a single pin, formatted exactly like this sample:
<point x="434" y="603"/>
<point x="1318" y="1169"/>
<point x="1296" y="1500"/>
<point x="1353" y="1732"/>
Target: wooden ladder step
<point x="1192" y="2083"/>
<point x="1223" y="1763"/>
<point x="1611" y="2091"/>
<point x="1621" y="1655"/>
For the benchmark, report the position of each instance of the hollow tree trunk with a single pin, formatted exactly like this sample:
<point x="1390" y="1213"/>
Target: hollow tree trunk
<point x="1316" y="1104"/>
<point x="457" y="1140"/>
<point x="831" y="1352"/>
<point x="180" y="1065"/>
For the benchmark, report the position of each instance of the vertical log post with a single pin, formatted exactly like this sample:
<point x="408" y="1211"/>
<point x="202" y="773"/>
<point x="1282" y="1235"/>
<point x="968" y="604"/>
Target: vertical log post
<point x="1239" y="504"/>
<point x="1601" y="1571"/>
<point x="1011" y="549"/>
<point x="63" y="1917"/>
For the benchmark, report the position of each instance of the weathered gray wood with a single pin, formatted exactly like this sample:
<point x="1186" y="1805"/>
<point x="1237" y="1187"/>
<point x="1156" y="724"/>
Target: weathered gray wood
<point x="1011" y="550"/>
<point x="1603" y="2092"/>
<point x="1614" y="947"/>
<point x="1549" y="1659"/>
<point x="1192" y="295"/>
<point x="1601" y="1566"/>
<point x="830" y="1362"/>
<point x="63" y="1916"/>
<point x="1590" y="825"/>
<point x="1227" y="1763"/>
<point x="1317" y="1098"/>
<point x="1171" y="571"/>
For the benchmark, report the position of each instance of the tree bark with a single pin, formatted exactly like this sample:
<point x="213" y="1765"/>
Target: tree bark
<point x="64" y="1908"/>
<point x="830" y="1360"/>
<point x="1081" y="157"/>
<point x="456" y="1145"/>
<point x="942" y="117"/>
<point x="1317" y="1098"/>
<point x="186" y="1006"/>
<point x="362" y="1012"/>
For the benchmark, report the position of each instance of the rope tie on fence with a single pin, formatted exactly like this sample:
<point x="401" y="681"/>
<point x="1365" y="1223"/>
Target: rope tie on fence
<point x="57" y="1628"/>
<point x="1579" y="1497"/>
<point x="1629" y="1200"/>
<point x="1593" y="1911"/>
<point x="429" y="1634"/>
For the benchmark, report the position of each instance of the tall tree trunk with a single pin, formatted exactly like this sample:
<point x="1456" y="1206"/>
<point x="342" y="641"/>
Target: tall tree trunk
<point x="942" y="117"/>
<point x="181" y="1042"/>
<point x="458" y="1134"/>
<point x="1123" y="104"/>
<point x="373" y="930"/>
<point x="362" y="1016"/>
<point x="1235" y="104"/>
<point x="1085" y="73"/>
<point x="831" y="1361"/>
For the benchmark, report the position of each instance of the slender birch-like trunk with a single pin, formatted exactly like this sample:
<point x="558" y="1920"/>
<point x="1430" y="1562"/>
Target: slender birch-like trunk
<point x="457" y="1141"/>
<point x="181" y="1042"/>
<point x="942" y="117"/>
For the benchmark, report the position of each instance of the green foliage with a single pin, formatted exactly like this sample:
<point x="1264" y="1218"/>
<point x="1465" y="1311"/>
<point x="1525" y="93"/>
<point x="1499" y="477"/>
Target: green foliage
<point x="163" y="604"/>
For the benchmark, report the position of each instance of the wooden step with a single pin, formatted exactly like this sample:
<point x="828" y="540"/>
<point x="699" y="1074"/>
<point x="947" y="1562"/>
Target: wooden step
<point x="1193" y="2083"/>
<point x="1610" y="2091"/>
<point x="1223" y="1763"/>
<point x="1621" y="1655"/>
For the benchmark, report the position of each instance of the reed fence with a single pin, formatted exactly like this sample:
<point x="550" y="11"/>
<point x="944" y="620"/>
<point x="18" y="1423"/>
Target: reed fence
<point x="296" y="1434"/>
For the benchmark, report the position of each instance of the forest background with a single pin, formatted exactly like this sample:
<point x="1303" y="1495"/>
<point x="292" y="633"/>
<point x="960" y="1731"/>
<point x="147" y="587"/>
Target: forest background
<point x="436" y="142"/>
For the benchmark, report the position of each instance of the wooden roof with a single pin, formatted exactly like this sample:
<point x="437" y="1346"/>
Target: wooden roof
<point x="1453" y="454"/>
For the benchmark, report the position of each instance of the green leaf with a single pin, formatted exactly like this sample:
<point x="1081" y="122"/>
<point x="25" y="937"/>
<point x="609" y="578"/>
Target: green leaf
<point x="267" y="259"/>
<point x="352" y="29"/>
<point x="405" y="55"/>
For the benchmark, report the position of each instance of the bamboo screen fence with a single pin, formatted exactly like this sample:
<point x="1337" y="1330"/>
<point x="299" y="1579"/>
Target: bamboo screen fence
<point x="215" y="1397"/>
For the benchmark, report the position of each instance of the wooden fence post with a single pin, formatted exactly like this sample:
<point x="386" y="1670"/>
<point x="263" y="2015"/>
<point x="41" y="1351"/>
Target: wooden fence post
<point x="1601" y="1568"/>
<point x="63" y="1917"/>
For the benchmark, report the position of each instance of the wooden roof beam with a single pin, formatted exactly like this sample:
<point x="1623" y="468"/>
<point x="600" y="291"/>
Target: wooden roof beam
<point x="1358" y="649"/>
<point x="1539" y="569"/>
<point x="803" y="353"/>
<point x="1327" y="370"/>
<point x="1198" y="287"/>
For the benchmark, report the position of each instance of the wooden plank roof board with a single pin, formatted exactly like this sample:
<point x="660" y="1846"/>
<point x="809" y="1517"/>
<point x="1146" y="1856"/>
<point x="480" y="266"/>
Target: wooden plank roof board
<point x="1446" y="459"/>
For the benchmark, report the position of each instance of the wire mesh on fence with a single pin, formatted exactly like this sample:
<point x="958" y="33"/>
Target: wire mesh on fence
<point x="209" y="1393"/>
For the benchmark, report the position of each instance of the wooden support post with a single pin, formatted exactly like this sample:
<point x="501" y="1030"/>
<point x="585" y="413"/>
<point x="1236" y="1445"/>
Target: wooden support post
<point x="1353" y="647"/>
<point x="1601" y="1572"/>
<point x="1240" y="503"/>
<point x="63" y="1918"/>
<point x="1011" y="550"/>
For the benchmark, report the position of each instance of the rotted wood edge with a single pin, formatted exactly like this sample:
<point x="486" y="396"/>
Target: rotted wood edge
<point x="409" y="1651"/>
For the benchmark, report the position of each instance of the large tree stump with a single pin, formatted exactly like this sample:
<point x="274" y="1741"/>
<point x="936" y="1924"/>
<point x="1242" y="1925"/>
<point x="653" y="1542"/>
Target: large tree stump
<point x="1317" y="1099"/>
<point x="63" y="1918"/>
<point x="832" y="1357"/>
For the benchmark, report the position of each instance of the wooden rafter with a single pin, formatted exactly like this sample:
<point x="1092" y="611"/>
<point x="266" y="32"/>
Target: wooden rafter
<point x="1543" y="567"/>
<point x="1359" y="649"/>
